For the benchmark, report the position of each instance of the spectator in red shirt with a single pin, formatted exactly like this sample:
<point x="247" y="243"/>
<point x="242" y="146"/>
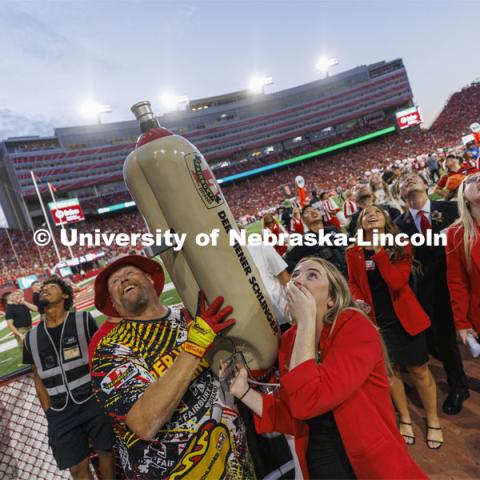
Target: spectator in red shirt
<point x="107" y="326"/>
<point x="330" y="209"/>
<point x="273" y="226"/>
<point x="469" y="165"/>
<point x="454" y="169"/>
<point x="296" y="225"/>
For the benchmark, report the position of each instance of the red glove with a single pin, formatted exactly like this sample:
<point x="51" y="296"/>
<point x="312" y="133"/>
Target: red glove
<point x="207" y="323"/>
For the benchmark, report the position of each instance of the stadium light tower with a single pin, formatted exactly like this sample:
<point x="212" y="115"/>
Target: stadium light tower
<point x="258" y="83"/>
<point x="172" y="102"/>
<point x="90" y="108"/>
<point x="325" y="63"/>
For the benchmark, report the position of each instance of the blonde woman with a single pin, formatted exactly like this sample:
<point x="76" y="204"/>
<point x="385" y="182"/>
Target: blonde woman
<point x="296" y="224"/>
<point x="463" y="259"/>
<point x="334" y="388"/>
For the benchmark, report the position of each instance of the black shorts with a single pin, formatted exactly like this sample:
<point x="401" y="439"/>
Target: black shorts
<point x="70" y="430"/>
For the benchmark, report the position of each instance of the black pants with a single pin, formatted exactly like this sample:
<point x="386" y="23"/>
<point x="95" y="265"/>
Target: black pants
<point x="442" y="343"/>
<point x="326" y="455"/>
<point x="434" y="175"/>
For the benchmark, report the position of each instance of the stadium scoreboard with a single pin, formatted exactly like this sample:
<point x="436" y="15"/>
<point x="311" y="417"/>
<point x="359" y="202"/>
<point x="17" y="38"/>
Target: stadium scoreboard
<point x="409" y="117"/>
<point x="66" y="211"/>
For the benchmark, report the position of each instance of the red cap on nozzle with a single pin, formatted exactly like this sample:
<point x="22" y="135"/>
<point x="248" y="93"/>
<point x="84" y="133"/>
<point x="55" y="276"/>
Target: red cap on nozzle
<point x="149" y="125"/>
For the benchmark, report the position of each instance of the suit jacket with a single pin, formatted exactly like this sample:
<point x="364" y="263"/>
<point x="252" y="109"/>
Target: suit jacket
<point x="286" y="219"/>
<point x="432" y="289"/>
<point x="448" y="211"/>
<point x="463" y="283"/>
<point x="351" y="381"/>
<point x="396" y="275"/>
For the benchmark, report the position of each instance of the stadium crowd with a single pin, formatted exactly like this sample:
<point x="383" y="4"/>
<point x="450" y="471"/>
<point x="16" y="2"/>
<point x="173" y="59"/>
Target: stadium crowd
<point x="33" y="260"/>
<point x="462" y="109"/>
<point x="334" y="365"/>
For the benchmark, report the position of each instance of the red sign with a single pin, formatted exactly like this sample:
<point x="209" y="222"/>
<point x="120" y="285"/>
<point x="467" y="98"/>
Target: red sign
<point x="67" y="211"/>
<point x="409" y="118"/>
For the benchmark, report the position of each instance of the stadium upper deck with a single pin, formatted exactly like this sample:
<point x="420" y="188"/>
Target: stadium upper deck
<point x="86" y="161"/>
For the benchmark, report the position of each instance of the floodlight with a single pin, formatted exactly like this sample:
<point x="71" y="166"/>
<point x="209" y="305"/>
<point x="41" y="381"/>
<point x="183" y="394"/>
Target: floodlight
<point x="257" y="83"/>
<point x="91" y="108"/>
<point x="171" y="102"/>
<point x="325" y="63"/>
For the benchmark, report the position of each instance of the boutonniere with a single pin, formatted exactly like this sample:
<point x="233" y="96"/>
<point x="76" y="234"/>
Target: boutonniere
<point x="437" y="216"/>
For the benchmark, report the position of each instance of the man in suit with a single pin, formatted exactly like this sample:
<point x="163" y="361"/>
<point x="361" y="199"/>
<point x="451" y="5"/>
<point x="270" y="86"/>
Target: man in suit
<point x="432" y="289"/>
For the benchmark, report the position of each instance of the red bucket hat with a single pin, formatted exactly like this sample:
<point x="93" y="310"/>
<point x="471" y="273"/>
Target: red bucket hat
<point x="103" y="302"/>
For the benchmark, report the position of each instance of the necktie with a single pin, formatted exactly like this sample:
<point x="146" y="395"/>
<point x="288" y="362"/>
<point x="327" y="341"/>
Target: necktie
<point x="424" y="222"/>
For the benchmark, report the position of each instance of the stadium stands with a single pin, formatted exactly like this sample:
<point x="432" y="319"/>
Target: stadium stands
<point x="236" y="131"/>
<point x="461" y="110"/>
<point x="35" y="260"/>
<point x="251" y="197"/>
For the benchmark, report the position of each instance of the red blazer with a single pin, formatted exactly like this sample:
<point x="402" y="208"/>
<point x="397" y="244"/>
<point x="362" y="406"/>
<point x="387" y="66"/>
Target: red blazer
<point x="297" y="226"/>
<point x="352" y="382"/>
<point x="396" y="275"/>
<point x="276" y="230"/>
<point x="464" y="285"/>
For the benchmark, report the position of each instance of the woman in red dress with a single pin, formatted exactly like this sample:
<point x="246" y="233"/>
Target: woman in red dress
<point x="334" y="392"/>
